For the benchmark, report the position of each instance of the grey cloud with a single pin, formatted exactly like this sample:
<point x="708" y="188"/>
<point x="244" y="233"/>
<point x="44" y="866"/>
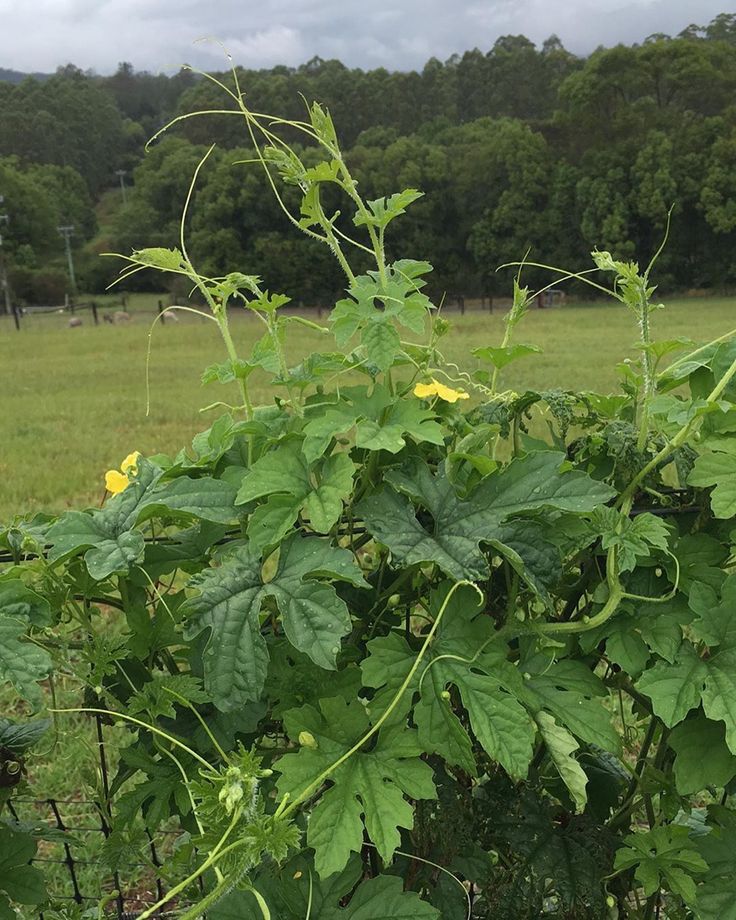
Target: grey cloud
<point x="162" y="34"/>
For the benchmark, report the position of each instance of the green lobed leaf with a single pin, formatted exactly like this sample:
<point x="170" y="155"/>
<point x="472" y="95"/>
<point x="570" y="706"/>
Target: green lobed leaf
<point x="20" y="737"/>
<point x="159" y="696"/>
<point x="383" y="210"/>
<point x="204" y="498"/>
<point x="21" y="882"/>
<point x="501" y="356"/>
<point x="23" y="664"/>
<point x="499" y="722"/>
<point x="715" y="623"/>
<point x="291" y="487"/>
<point x="675" y="689"/>
<point x="626" y="647"/>
<point x="369" y="788"/>
<point x="527" y="547"/>
<point x="574" y="696"/>
<point x="229" y="605"/>
<point x="716" y="894"/>
<point x="107" y="537"/>
<point x="462" y="656"/>
<point x="703" y="759"/>
<point x="632" y="537"/>
<point x="384" y="897"/>
<point x="452" y="538"/>
<point x="382" y="343"/>
<point x="375" y="302"/>
<point x="295" y="892"/>
<point x="381" y="422"/>
<point x="18" y="600"/>
<point x="107" y="551"/>
<point x="440" y="730"/>
<point x="719" y="693"/>
<point x="663" y="856"/>
<point x="157" y="797"/>
<point x="719" y="470"/>
<point x="159" y="257"/>
<point x="292" y="891"/>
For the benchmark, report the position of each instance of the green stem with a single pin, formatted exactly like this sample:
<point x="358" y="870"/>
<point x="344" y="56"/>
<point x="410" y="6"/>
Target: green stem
<point x="647" y="369"/>
<point x="212" y="858"/>
<point x="223" y="888"/>
<point x="615" y="595"/>
<point x="381" y="244"/>
<point x="579" y="626"/>
<point x="496" y="370"/>
<point x="222" y="322"/>
<point x="515" y="436"/>
<point x="151" y="728"/>
<point x="273" y="329"/>
<point x="333" y="243"/>
<point x="384" y="595"/>
<point x="512" y="593"/>
<point x="677" y="441"/>
<point x="651" y="905"/>
<point x="348" y="185"/>
<point x="624" y="812"/>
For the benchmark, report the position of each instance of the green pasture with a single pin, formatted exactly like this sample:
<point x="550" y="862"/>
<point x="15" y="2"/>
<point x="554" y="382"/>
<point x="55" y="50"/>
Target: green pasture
<point x="74" y="400"/>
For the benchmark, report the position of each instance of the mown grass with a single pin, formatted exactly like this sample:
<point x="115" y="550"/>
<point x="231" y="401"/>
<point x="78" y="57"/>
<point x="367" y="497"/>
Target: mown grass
<point x="74" y="400"/>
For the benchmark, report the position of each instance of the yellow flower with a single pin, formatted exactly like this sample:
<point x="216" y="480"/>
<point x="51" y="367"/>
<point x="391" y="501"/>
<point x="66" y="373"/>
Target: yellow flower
<point x="118" y="480"/>
<point x="435" y="388"/>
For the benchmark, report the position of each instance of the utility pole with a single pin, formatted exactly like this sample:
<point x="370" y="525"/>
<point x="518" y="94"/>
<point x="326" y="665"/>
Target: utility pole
<point x="4" y="219"/>
<point x="67" y="232"/>
<point x="121" y="174"/>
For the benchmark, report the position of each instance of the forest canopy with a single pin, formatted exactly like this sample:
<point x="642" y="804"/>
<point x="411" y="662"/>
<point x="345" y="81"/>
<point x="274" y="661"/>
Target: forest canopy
<point x="518" y="148"/>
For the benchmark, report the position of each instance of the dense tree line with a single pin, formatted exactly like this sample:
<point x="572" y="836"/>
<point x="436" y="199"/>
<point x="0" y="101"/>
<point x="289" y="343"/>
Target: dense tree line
<point x="517" y="149"/>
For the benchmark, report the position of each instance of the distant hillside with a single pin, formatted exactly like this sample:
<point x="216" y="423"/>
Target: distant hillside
<point x="15" y="76"/>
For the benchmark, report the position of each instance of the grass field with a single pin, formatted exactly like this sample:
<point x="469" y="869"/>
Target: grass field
<point x="74" y="400"/>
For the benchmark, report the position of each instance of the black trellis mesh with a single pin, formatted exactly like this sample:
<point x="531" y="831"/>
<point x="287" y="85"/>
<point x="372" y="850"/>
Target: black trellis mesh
<point x="74" y="876"/>
<point x="70" y="852"/>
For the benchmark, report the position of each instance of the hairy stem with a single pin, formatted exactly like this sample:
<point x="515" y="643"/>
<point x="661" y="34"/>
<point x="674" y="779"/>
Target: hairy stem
<point x="648" y="388"/>
<point x="212" y="858"/>
<point x="678" y="440"/>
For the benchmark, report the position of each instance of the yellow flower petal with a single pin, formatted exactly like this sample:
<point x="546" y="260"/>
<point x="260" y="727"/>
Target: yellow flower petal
<point x="435" y="388"/>
<point x="448" y="394"/>
<point x="130" y="464"/>
<point x="115" y="481"/>
<point x="425" y="390"/>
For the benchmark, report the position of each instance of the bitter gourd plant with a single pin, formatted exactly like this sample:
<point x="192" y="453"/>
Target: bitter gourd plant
<point x="403" y="643"/>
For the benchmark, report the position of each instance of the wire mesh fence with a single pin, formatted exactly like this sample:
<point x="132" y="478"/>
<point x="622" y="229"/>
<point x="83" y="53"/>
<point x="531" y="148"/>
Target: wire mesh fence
<point x="72" y="836"/>
<point x="72" y="863"/>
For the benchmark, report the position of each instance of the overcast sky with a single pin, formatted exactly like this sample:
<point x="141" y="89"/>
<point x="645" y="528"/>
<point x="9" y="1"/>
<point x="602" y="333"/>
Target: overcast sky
<point x="39" y="35"/>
